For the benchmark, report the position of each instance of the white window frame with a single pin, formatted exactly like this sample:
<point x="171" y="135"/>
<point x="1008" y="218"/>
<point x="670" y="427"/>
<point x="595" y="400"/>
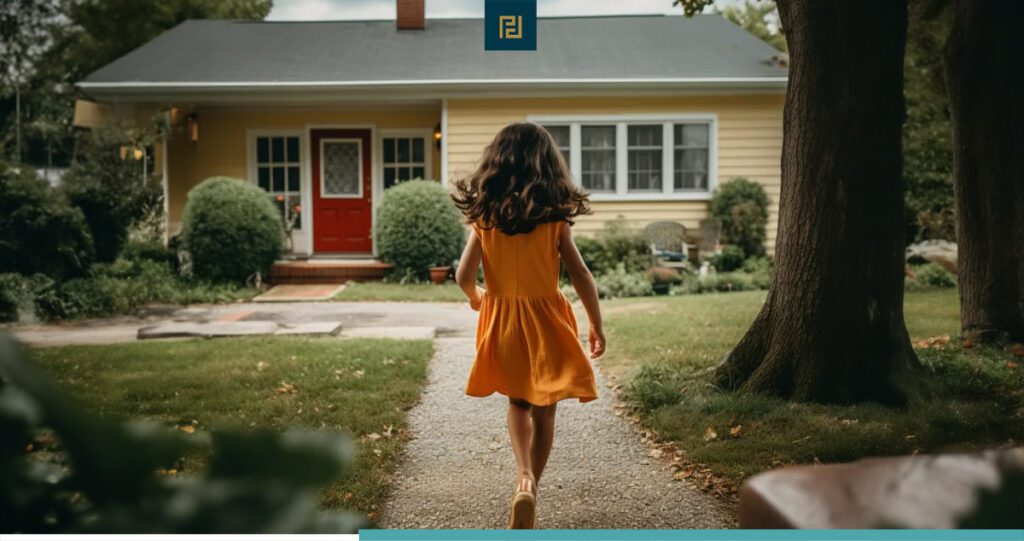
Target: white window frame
<point x="621" y="122"/>
<point x="404" y="133"/>
<point x="358" y="141"/>
<point x="302" y="236"/>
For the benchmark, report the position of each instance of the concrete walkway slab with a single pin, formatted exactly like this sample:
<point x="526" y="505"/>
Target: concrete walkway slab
<point x="320" y="327"/>
<point x="400" y="333"/>
<point x="215" y="329"/>
<point x="300" y="292"/>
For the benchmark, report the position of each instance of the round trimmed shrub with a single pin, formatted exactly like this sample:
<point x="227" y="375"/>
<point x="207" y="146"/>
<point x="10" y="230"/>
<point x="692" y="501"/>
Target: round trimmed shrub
<point x="742" y="207"/>
<point x="39" y="231"/>
<point x="231" y="230"/>
<point x="418" y="227"/>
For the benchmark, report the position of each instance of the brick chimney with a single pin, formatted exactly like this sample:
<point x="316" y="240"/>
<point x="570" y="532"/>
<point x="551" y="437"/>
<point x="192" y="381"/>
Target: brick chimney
<point x="410" y="14"/>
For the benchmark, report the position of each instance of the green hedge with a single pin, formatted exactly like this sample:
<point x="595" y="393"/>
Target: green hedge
<point x="112" y="193"/>
<point x="39" y="231"/>
<point x="418" y="227"/>
<point x="231" y="230"/>
<point x="742" y="207"/>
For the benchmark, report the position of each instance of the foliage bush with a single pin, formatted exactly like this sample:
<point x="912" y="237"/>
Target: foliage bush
<point x="590" y="250"/>
<point x="107" y="475"/>
<point x="230" y="230"/>
<point x="418" y="227"/>
<point x="731" y="258"/>
<point x="18" y="295"/>
<point x="39" y="231"/>
<point x="721" y="282"/>
<point x="125" y="285"/>
<point x="930" y="276"/>
<point x="742" y="207"/>
<point x="149" y="250"/>
<point x="663" y="275"/>
<point x="755" y="265"/>
<point x="112" y="192"/>
<point x="622" y="283"/>
<point x="617" y="243"/>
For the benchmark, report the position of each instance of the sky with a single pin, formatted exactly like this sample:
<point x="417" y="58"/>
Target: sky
<point x="385" y="9"/>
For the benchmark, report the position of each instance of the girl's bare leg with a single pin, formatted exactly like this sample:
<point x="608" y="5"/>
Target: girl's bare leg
<point x="543" y="437"/>
<point x="520" y="429"/>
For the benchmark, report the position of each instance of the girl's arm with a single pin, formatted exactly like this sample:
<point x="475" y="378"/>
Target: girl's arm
<point x="583" y="281"/>
<point x="465" y="274"/>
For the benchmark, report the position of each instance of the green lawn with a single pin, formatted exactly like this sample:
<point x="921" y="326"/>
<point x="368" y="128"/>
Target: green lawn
<point x="660" y="348"/>
<point x="361" y="386"/>
<point x="384" y="291"/>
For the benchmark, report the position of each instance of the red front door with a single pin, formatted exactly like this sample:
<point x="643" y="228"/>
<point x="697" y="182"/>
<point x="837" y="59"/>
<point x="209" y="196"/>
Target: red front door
<point x="342" y="194"/>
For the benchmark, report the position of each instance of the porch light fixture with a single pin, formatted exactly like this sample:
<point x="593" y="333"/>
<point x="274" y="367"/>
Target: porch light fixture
<point x="437" y="135"/>
<point x="193" y="127"/>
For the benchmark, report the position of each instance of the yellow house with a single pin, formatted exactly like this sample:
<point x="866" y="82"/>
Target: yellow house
<point x="652" y="112"/>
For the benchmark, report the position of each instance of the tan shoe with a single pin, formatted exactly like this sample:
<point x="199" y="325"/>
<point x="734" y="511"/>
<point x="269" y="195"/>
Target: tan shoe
<point x="524" y="505"/>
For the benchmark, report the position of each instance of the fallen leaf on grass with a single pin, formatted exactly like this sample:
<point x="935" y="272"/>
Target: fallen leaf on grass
<point x="188" y="429"/>
<point x="346" y="497"/>
<point x="1017" y="349"/>
<point x="262" y="365"/>
<point x="710" y="434"/>
<point x="372" y="436"/>
<point x="287" y="388"/>
<point x="933" y="342"/>
<point x="1011" y="365"/>
<point x="358" y="373"/>
<point x="735" y="431"/>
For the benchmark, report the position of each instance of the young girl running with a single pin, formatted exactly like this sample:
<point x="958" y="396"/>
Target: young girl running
<point x="521" y="202"/>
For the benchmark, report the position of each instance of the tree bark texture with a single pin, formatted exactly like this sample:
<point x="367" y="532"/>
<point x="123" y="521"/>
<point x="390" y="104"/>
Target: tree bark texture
<point x="984" y="65"/>
<point x="832" y="329"/>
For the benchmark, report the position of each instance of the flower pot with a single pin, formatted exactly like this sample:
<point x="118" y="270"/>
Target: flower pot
<point x="439" y="275"/>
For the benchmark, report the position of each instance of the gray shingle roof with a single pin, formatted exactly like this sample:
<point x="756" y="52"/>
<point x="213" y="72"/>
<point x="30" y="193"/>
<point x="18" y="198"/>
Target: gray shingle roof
<point x="635" y="48"/>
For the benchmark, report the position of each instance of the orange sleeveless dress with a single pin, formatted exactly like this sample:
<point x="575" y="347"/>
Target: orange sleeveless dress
<point x="527" y="342"/>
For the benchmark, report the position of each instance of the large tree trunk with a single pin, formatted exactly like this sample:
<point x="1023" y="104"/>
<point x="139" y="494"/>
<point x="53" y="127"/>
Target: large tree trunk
<point x="831" y="329"/>
<point x="984" y="62"/>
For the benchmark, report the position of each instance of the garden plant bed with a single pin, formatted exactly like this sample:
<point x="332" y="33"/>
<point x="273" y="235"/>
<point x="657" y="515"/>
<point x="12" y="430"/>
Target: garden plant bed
<point x="363" y="386"/>
<point x="660" y="356"/>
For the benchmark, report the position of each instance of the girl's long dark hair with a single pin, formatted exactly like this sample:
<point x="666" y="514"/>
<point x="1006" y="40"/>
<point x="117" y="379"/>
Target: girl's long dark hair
<point x="522" y="181"/>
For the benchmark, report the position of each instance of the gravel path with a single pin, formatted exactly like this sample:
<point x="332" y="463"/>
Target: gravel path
<point x="458" y="470"/>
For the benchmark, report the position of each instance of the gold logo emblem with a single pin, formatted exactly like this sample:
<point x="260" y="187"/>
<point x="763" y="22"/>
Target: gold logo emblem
<point x="510" y="26"/>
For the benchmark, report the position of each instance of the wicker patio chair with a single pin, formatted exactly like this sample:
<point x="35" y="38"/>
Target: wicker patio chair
<point x="668" y="243"/>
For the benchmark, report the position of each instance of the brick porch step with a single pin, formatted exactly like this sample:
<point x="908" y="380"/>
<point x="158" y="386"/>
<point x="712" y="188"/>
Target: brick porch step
<point x="327" y="272"/>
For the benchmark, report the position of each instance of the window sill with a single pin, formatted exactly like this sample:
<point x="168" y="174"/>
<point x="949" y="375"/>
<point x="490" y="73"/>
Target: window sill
<point x="653" y="196"/>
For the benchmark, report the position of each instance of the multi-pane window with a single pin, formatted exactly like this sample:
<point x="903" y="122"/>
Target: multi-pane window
<point x="597" y="157"/>
<point x="691" y="157"/>
<point x="277" y="172"/>
<point x="644" y="146"/>
<point x="405" y="158"/>
<point x="641" y="157"/>
<point x="561" y="136"/>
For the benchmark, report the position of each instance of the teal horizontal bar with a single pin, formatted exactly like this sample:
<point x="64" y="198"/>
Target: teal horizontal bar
<point x="692" y="535"/>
